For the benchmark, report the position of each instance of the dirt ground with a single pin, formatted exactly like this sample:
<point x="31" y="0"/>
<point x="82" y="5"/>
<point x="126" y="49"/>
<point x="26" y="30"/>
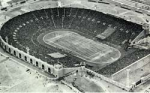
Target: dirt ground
<point x="15" y="77"/>
<point x="134" y="76"/>
<point x="83" y="84"/>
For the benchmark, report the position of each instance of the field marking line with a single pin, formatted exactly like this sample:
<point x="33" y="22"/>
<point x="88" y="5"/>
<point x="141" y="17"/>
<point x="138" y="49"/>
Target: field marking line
<point x="9" y="73"/>
<point x="94" y="55"/>
<point x="33" y="41"/>
<point x="98" y="57"/>
<point x="3" y="60"/>
<point x="57" y="37"/>
<point x="16" y="84"/>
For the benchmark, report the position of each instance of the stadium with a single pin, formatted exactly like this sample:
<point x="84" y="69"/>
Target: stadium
<point x="62" y="39"/>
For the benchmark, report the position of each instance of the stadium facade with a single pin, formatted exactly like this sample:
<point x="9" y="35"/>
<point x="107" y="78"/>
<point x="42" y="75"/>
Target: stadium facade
<point x="61" y="40"/>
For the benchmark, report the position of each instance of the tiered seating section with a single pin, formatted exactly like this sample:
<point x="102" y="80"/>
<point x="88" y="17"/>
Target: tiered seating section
<point x="23" y="32"/>
<point x="123" y="62"/>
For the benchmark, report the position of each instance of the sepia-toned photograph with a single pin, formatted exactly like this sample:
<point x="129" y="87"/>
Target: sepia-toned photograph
<point x="75" y="46"/>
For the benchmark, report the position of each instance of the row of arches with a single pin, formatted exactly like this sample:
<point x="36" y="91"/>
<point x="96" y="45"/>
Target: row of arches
<point x="25" y="58"/>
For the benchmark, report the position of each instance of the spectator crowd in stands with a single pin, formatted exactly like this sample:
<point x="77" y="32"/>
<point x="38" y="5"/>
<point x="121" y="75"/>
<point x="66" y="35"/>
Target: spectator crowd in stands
<point x="23" y="31"/>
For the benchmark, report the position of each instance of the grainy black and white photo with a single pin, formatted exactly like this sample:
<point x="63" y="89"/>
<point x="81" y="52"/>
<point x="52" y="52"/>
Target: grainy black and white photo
<point x="75" y="46"/>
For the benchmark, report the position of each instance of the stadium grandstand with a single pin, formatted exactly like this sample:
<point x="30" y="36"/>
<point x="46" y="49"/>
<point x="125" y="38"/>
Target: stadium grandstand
<point x="68" y="37"/>
<point x="23" y="31"/>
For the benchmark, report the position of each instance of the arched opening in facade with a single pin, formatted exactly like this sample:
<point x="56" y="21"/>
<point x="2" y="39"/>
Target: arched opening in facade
<point x="19" y="55"/>
<point x="9" y="50"/>
<point x="43" y="66"/>
<point x="37" y="64"/>
<point x="31" y="61"/>
<point x="15" y="53"/>
<point x="49" y="70"/>
<point x="25" y="58"/>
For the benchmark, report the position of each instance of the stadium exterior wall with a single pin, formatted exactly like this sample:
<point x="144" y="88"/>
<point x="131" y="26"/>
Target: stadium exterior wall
<point x="109" y="80"/>
<point x="134" y="66"/>
<point x="53" y="71"/>
<point x="57" y="71"/>
<point x="28" y="58"/>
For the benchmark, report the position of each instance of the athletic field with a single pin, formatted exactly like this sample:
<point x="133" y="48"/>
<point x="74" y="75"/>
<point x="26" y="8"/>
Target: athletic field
<point x="82" y="47"/>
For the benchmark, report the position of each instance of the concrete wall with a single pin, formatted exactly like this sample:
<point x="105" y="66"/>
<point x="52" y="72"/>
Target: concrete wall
<point x="26" y="57"/>
<point x="134" y="66"/>
<point x="57" y="72"/>
<point x="109" y="80"/>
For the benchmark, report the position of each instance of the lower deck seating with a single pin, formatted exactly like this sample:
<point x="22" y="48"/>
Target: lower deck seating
<point x="23" y="31"/>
